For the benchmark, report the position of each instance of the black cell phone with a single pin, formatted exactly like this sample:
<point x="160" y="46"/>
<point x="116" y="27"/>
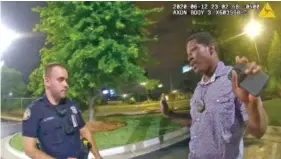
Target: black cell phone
<point x="252" y="83"/>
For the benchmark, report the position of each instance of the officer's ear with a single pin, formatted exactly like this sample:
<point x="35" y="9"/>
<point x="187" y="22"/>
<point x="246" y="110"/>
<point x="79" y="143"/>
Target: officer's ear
<point x="46" y="80"/>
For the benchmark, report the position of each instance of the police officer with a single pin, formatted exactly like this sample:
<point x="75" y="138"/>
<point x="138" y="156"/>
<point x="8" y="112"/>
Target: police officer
<point x="56" y="122"/>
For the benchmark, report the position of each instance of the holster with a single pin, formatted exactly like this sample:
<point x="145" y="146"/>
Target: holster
<point x="84" y="149"/>
<point x="38" y="146"/>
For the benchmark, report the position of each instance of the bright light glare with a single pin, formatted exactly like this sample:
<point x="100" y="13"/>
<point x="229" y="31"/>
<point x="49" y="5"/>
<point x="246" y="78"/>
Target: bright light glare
<point x="174" y="91"/>
<point x="253" y="29"/>
<point x="160" y="85"/>
<point x="125" y="95"/>
<point x="143" y="83"/>
<point x="105" y="92"/>
<point x="6" y="37"/>
<point x="186" y="68"/>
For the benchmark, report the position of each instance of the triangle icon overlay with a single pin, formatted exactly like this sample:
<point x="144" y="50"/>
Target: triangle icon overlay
<point x="267" y="12"/>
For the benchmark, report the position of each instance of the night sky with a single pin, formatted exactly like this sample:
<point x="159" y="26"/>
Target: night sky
<point x="22" y="54"/>
<point x="169" y="51"/>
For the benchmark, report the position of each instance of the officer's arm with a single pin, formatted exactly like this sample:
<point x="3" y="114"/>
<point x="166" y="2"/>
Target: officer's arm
<point x="30" y="126"/>
<point x="29" y="145"/>
<point x="86" y="133"/>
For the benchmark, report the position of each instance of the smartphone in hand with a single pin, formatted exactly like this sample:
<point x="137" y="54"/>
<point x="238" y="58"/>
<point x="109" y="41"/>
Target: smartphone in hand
<point x="252" y="83"/>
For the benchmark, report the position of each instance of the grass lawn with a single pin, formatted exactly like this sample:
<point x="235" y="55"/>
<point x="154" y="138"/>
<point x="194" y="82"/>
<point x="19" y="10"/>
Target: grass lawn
<point x="181" y="104"/>
<point x="138" y="128"/>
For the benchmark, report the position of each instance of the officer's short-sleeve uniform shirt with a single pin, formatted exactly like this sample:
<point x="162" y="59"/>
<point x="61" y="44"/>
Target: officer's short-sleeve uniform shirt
<point x="42" y="121"/>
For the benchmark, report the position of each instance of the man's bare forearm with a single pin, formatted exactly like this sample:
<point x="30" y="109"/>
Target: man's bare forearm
<point x="37" y="154"/>
<point x="182" y="117"/>
<point x="258" y="121"/>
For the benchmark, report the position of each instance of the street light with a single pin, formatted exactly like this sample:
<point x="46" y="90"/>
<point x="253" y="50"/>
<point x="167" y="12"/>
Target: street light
<point x="125" y="95"/>
<point x="253" y="29"/>
<point x="7" y="36"/>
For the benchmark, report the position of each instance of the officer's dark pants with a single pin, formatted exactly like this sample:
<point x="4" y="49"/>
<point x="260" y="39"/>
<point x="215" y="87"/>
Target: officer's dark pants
<point x="83" y="156"/>
<point x="84" y="152"/>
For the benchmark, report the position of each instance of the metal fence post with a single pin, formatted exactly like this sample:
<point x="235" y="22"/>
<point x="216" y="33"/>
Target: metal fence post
<point x="21" y="106"/>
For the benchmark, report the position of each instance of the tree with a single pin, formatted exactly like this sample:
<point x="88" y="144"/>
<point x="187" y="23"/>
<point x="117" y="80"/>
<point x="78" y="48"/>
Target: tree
<point x="273" y="66"/>
<point x="12" y="83"/>
<point x="36" y="86"/>
<point x="100" y="43"/>
<point x="12" y="86"/>
<point x="274" y="56"/>
<point x="150" y="85"/>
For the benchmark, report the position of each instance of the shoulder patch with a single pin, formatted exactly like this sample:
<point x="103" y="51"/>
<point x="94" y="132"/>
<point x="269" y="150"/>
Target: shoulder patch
<point x="27" y="114"/>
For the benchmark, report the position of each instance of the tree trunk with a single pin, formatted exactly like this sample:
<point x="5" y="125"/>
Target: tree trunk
<point x="91" y="104"/>
<point x="147" y="97"/>
<point x="91" y="108"/>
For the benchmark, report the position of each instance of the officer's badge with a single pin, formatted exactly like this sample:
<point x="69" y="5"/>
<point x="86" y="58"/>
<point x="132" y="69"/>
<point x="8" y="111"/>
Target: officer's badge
<point x="74" y="110"/>
<point x="27" y="114"/>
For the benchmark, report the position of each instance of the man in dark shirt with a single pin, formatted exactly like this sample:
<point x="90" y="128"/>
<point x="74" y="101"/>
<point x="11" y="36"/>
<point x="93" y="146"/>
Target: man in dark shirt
<point x="55" y="121"/>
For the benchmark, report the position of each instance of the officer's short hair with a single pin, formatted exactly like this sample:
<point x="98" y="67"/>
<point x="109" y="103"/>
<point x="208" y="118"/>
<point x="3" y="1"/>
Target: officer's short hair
<point x="48" y="68"/>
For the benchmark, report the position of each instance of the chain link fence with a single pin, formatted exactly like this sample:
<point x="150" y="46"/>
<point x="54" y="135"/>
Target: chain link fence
<point x="15" y="106"/>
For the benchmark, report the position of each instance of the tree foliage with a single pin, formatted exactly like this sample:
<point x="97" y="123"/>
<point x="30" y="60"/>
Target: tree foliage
<point x="12" y="83"/>
<point x="36" y="85"/>
<point x="273" y="66"/>
<point x="100" y="43"/>
<point x="274" y="56"/>
<point x="151" y="84"/>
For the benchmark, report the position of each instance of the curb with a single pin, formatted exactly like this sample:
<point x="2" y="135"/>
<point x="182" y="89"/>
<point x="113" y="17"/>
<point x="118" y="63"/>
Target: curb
<point x="14" y="151"/>
<point x="10" y="118"/>
<point x="126" y="151"/>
